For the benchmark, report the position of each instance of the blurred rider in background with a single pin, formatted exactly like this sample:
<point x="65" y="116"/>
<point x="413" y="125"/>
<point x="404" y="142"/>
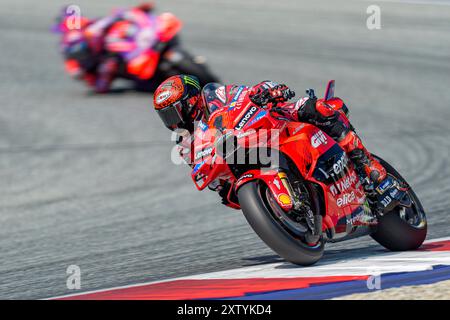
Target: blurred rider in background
<point x="101" y="50"/>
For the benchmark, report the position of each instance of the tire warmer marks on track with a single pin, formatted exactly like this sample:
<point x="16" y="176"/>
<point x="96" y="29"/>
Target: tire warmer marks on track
<point x="427" y="265"/>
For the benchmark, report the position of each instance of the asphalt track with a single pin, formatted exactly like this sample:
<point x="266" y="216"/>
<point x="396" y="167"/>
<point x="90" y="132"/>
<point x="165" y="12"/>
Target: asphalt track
<point x="87" y="179"/>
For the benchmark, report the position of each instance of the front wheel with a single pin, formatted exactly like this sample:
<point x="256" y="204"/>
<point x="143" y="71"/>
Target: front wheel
<point x="259" y="210"/>
<point x="403" y="228"/>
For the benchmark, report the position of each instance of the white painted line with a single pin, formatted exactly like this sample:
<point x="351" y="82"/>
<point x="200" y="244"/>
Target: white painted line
<point x="387" y="262"/>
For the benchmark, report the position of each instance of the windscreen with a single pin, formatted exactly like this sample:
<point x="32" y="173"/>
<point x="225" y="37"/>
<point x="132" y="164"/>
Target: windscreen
<point x="211" y="98"/>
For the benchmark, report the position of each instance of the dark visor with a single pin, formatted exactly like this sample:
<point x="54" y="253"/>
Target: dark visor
<point x="171" y="115"/>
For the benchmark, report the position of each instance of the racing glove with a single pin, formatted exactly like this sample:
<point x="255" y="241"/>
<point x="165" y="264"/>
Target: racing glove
<point x="266" y="93"/>
<point x="185" y="146"/>
<point x="316" y="112"/>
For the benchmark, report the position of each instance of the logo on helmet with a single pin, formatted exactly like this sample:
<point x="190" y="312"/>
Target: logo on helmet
<point x="163" y="96"/>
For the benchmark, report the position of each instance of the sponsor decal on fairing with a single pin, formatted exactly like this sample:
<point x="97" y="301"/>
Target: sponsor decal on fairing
<point x="246" y="176"/>
<point x="258" y="117"/>
<point x="341" y="164"/>
<point x="346" y="199"/>
<point x="318" y="139"/>
<point x="238" y="98"/>
<point x="344" y="184"/>
<point x="203" y="153"/>
<point x="246" y="118"/>
<point x="277" y="184"/>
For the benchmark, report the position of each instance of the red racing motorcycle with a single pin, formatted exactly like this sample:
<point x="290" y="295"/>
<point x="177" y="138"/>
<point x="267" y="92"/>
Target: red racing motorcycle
<point x="296" y="185"/>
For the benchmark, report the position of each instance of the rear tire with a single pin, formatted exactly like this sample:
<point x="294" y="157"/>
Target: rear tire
<point x="266" y="226"/>
<point x="200" y="70"/>
<point x="185" y="63"/>
<point x="392" y="231"/>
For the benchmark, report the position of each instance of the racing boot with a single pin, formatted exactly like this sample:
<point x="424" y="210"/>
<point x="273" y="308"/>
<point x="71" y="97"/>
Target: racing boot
<point x="364" y="162"/>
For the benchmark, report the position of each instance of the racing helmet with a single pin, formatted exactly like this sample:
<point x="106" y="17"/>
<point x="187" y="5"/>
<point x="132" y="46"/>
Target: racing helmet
<point x="178" y="102"/>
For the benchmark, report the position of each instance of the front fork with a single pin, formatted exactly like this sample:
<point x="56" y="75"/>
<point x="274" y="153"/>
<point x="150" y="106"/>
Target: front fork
<point x="302" y="204"/>
<point x="299" y="200"/>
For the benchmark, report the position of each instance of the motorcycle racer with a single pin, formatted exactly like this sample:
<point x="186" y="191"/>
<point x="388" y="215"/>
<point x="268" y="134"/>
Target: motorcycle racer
<point x="93" y="53"/>
<point x="123" y="45"/>
<point x="180" y="102"/>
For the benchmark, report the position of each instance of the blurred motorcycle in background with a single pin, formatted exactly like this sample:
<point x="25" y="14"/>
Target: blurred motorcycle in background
<point x="133" y="44"/>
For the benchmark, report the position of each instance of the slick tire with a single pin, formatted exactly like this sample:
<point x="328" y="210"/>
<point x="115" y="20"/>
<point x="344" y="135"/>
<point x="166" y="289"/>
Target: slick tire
<point x="392" y="231"/>
<point x="266" y="226"/>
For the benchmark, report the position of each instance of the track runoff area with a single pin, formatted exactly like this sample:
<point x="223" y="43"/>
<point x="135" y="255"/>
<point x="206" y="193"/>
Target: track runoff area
<point x="282" y="281"/>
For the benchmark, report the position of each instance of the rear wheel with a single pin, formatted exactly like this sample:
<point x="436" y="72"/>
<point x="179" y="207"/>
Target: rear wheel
<point x="200" y="70"/>
<point x="275" y="228"/>
<point x="185" y="63"/>
<point x="403" y="228"/>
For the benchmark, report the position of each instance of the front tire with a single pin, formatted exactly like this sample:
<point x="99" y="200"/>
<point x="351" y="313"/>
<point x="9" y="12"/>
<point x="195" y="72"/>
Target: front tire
<point x="394" y="232"/>
<point x="270" y="230"/>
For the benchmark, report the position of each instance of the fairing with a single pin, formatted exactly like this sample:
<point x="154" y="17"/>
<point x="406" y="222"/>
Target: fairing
<point x="318" y="158"/>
